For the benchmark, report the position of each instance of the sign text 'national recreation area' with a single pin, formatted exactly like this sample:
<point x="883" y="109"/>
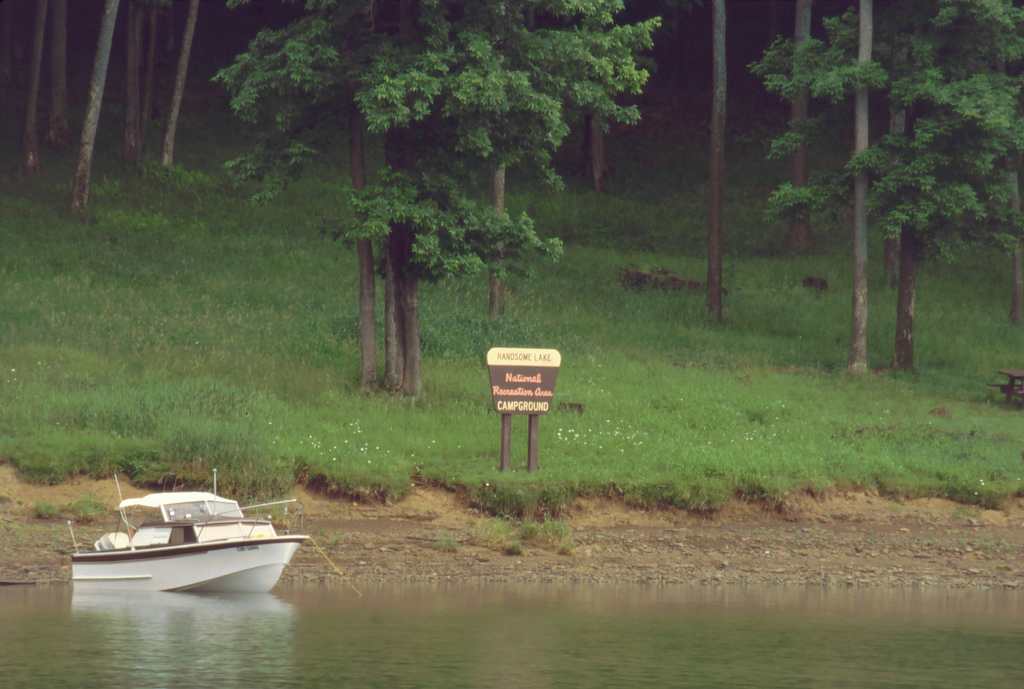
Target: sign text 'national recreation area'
<point x="523" y="380"/>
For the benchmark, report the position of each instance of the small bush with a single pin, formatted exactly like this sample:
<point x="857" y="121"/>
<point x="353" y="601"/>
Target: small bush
<point x="550" y="533"/>
<point x="499" y="535"/>
<point x="513" y="548"/>
<point x="86" y="509"/>
<point x="446" y="543"/>
<point x="493" y="533"/>
<point x="45" y="510"/>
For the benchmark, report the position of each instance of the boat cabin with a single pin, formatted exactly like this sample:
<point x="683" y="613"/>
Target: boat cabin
<point x="187" y="507"/>
<point x="187" y="518"/>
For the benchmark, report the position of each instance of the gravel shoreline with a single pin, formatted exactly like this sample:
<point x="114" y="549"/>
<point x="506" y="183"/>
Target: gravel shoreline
<point x="839" y="541"/>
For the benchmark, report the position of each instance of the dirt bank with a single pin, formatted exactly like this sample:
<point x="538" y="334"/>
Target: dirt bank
<point x="841" y="540"/>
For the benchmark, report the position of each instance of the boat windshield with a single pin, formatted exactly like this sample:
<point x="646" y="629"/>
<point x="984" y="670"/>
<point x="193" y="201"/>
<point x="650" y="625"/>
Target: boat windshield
<point x="224" y="508"/>
<point x="202" y="510"/>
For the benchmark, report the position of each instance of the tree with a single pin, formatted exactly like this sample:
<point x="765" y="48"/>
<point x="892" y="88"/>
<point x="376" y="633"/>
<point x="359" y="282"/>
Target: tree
<point x="30" y="138"/>
<point x="59" y="133"/>
<point x="939" y="177"/>
<point x="152" y="15"/>
<point x="858" y="358"/>
<point x="943" y="183"/>
<point x="799" y="226"/>
<point x="897" y="127"/>
<point x="292" y="102"/>
<point x="594" y="151"/>
<point x="364" y="252"/>
<point x="452" y="88"/>
<point x="717" y="166"/>
<point x="83" y="171"/>
<point x="167" y="156"/>
<point x="131" y="134"/>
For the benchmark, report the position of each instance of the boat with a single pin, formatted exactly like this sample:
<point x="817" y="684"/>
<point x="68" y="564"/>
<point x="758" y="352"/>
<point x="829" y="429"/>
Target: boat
<point x="201" y="542"/>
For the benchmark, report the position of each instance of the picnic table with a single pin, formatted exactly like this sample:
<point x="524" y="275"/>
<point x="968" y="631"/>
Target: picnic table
<point x="1013" y="388"/>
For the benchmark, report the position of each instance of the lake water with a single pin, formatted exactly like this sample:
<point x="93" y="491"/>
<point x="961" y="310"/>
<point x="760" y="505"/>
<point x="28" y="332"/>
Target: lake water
<point x="521" y="637"/>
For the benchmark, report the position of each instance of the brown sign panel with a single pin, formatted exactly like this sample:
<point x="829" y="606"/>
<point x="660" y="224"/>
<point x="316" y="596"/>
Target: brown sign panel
<point x="523" y="380"/>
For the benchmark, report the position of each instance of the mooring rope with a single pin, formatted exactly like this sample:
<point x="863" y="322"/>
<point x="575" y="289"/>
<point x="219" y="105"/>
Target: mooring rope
<point x="334" y="566"/>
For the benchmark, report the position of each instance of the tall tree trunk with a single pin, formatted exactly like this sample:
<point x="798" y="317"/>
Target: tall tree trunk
<point x="152" y="13"/>
<point x="367" y="324"/>
<point x="167" y="157"/>
<point x="394" y="357"/>
<point x="402" y="356"/>
<point x="496" y="289"/>
<point x="717" y="167"/>
<point x="396" y="148"/>
<point x="412" y="378"/>
<point x="80" y="186"/>
<point x="132" y="63"/>
<point x="897" y="127"/>
<point x="892" y="261"/>
<point x="858" y="357"/>
<point x="799" y="227"/>
<point x="59" y="134"/>
<point x="1017" y="298"/>
<point x="598" y="156"/>
<point x="903" y="350"/>
<point x="364" y="250"/>
<point x="6" y="34"/>
<point x="405" y="372"/>
<point x="30" y="138"/>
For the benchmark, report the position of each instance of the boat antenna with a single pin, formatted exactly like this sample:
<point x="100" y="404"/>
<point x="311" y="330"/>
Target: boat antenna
<point x="215" y="480"/>
<point x="73" y="539"/>
<point x="124" y="517"/>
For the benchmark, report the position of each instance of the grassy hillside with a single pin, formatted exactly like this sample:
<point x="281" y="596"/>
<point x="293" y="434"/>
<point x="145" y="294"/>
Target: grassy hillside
<point x="185" y="329"/>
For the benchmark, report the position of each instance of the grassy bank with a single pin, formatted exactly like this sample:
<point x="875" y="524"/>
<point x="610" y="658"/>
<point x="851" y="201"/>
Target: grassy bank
<point x="185" y="329"/>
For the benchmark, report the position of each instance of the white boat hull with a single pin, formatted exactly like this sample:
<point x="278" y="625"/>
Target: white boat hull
<point x="248" y="566"/>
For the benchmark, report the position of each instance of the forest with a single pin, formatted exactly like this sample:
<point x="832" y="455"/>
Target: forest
<point x="777" y="243"/>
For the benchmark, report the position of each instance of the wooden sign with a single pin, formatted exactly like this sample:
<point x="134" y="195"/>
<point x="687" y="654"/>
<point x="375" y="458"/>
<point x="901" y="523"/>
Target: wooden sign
<point x="523" y="380"/>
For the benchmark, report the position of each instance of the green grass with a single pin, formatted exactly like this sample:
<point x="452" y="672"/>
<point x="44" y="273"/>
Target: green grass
<point x="497" y="534"/>
<point x="446" y="543"/>
<point x="550" y="533"/>
<point x="86" y="509"/>
<point x="45" y="510"/>
<point x="184" y="329"/>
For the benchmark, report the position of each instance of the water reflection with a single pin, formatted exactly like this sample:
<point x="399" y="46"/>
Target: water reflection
<point x="147" y="640"/>
<point x="660" y="637"/>
<point x="520" y="637"/>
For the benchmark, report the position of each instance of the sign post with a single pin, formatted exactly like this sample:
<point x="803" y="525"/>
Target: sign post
<point x="522" y="382"/>
<point x="506" y="441"/>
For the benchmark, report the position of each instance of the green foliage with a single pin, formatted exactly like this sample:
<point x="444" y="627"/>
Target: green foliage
<point x="502" y="535"/>
<point x="45" y="510"/>
<point x="469" y="89"/>
<point x="446" y="543"/>
<point x="453" y="234"/>
<point x="86" y="509"/>
<point x="549" y="533"/>
<point x="948" y="66"/>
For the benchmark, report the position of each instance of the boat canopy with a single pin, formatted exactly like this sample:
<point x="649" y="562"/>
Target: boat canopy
<point x="158" y="500"/>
